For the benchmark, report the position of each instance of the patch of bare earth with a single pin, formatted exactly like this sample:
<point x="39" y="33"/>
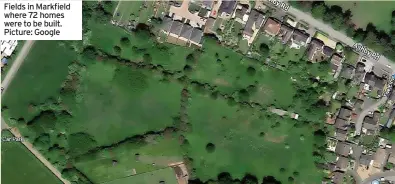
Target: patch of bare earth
<point x="275" y="139"/>
<point x="221" y="82"/>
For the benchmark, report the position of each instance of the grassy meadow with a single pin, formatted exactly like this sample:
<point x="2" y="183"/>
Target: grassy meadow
<point x="19" y="166"/>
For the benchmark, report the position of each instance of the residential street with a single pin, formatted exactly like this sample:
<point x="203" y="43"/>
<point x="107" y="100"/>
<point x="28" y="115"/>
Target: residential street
<point x="6" y="82"/>
<point x="361" y="116"/>
<point x="319" y="25"/>
<point x="388" y="175"/>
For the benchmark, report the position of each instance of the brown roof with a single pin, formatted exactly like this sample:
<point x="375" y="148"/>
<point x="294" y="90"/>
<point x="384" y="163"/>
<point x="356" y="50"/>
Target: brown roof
<point x="342" y="163"/>
<point x="336" y="59"/>
<point x="343" y="149"/>
<point x="272" y="26"/>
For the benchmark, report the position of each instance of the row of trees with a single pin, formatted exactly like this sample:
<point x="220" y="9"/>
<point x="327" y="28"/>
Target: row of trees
<point x="226" y="178"/>
<point x="377" y="40"/>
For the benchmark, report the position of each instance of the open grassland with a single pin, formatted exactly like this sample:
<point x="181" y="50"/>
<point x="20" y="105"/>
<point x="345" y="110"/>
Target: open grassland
<point x="19" y="166"/>
<point x="139" y="11"/>
<point x="131" y="159"/>
<point x="39" y="78"/>
<point x="365" y="12"/>
<point x="171" y="57"/>
<point x="248" y="141"/>
<point x="118" y="101"/>
<point x="165" y="175"/>
<point x="228" y="71"/>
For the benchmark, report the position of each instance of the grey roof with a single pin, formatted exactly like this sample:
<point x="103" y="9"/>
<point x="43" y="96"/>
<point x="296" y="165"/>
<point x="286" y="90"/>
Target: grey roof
<point x="374" y="81"/>
<point x="381" y="71"/>
<point x="300" y="37"/>
<point x="344" y="113"/>
<point x="342" y="148"/>
<point x="370" y="124"/>
<point x="176" y="27"/>
<point x="358" y="104"/>
<point x="391" y="117"/>
<point x="254" y="18"/>
<point x="342" y="163"/>
<point x="196" y="35"/>
<point x="341" y="124"/>
<point x="186" y="31"/>
<point x="328" y="51"/>
<point x="347" y="71"/>
<point x="341" y="135"/>
<point x="380" y="157"/>
<point x="369" y="120"/>
<point x="227" y="6"/>
<point x="365" y="159"/>
<point x="210" y="23"/>
<point x="338" y="177"/>
<point x="285" y="33"/>
<point x="166" y="23"/>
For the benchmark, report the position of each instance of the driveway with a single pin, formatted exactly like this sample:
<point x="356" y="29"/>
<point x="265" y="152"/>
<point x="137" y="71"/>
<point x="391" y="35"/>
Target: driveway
<point x="365" y="112"/>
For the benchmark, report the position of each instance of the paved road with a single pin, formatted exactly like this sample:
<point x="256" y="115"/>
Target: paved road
<point x="355" y="175"/>
<point x="361" y="116"/>
<point x="388" y="175"/>
<point x="340" y="36"/>
<point x="15" y="65"/>
<point x="5" y="83"/>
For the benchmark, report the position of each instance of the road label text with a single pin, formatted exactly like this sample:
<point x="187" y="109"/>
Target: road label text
<point x="280" y="4"/>
<point x="358" y="47"/>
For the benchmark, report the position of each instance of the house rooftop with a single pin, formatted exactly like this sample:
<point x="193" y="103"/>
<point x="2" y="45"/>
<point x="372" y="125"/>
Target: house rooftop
<point x="365" y="159"/>
<point x="241" y="10"/>
<point x="285" y="33"/>
<point x="176" y="27"/>
<point x="196" y="35"/>
<point x="380" y="158"/>
<point x="341" y="135"/>
<point x="255" y="19"/>
<point x="272" y="26"/>
<point x="341" y="124"/>
<point x="166" y="23"/>
<point x="338" y="177"/>
<point x="328" y="51"/>
<point x="344" y="113"/>
<point x="300" y="37"/>
<point x="186" y="31"/>
<point x="347" y="71"/>
<point x="342" y="148"/>
<point x="227" y="7"/>
<point x="374" y="81"/>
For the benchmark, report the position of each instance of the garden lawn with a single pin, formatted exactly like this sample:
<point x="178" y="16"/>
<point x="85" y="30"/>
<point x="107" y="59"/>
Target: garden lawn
<point x="99" y="166"/>
<point x="240" y="147"/>
<point x="106" y="36"/>
<point x="19" y="166"/>
<point x="115" y="102"/>
<point x="40" y="77"/>
<point x="127" y="11"/>
<point x="365" y="12"/>
<point x="166" y="175"/>
<point x="229" y="73"/>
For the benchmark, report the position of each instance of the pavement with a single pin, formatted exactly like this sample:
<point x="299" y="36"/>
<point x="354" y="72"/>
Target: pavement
<point x="5" y="83"/>
<point x="365" y="112"/>
<point x="387" y="175"/>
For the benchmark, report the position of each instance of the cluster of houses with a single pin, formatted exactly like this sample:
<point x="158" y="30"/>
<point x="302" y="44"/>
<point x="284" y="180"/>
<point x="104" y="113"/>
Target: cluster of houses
<point x="7" y="48"/>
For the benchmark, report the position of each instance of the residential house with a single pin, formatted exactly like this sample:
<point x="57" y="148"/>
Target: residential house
<point x="370" y="125"/>
<point x="285" y="33"/>
<point x="209" y="25"/>
<point x="226" y="8"/>
<point x="208" y="4"/>
<point x="342" y="163"/>
<point x="365" y="160"/>
<point x="338" y="177"/>
<point x="253" y="24"/>
<point x="348" y="71"/>
<point x="341" y="124"/>
<point x="380" y="158"/>
<point x="359" y="73"/>
<point x="241" y="13"/>
<point x="327" y="51"/>
<point x="314" y="51"/>
<point x="343" y="149"/>
<point x="186" y="32"/>
<point x="358" y="104"/>
<point x="196" y="36"/>
<point x="166" y="23"/>
<point x="375" y="82"/>
<point x="341" y="135"/>
<point x="336" y="62"/>
<point x="299" y="38"/>
<point x="272" y="27"/>
<point x="344" y="113"/>
<point x="176" y="28"/>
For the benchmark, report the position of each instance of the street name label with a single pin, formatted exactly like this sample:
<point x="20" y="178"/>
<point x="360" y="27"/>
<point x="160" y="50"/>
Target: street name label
<point x="41" y="20"/>
<point x="358" y="47"/>
<point x="12" y="139"/>
<point x="280" y="4"/>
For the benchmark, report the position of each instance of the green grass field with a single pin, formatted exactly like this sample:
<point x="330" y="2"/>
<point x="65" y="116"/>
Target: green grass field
<point x="19" y="166"/>
<point x="121" y="99"/>
<point x="99" y="166"/>
<point x="40" y="77"/>
<point x="165" y="175"/>
<point x="365" y="12"/>
<point x="229" y="73"/>
<point x="240" y="147"/>
<point x="139" y="11"/>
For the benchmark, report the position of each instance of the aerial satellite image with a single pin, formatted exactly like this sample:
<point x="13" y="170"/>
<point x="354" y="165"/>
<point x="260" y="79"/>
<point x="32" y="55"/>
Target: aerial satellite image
<point x="201" y="92"/>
